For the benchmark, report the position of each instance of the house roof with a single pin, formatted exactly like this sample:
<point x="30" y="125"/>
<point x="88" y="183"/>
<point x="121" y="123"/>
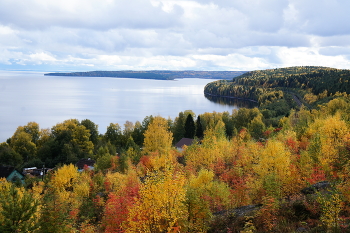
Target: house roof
<point x="184" y="141"/>
<point x="88" y="162"/>
<point x="6" y="171"/>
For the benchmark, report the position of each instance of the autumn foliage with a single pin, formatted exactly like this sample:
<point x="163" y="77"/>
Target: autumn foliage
<point x="240" y="161"/>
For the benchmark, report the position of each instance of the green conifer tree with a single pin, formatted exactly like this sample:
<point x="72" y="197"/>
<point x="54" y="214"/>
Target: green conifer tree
<point x="199" y="128"/>
<point x="190" y="128"/>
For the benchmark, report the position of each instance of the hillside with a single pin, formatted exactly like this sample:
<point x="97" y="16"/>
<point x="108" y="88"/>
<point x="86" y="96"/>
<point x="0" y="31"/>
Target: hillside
<point x="155" y="74"/>
<point x="278" y="90"/>
<point x="312" y="78"/>
<point x="239" y="175"/>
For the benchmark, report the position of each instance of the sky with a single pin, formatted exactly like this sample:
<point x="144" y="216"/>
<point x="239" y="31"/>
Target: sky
<point x="84" y="35"/>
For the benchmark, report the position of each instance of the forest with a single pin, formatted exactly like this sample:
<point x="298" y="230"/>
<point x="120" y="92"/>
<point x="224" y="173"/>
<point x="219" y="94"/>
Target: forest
<point x="276" y="90"/>
<point x="245" y="171"/>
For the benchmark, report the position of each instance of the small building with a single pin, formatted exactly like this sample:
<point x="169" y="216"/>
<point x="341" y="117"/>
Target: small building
<point x="36" y="172"/>
<point x="184" y="141"/>
<point x="85" y="162"/>
<point x="11" y="174"/>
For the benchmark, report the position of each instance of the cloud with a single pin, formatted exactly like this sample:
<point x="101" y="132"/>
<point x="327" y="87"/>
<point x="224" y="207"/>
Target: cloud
<point x="322" y="18"/>
<point x="98" y="15"/>
<point x="304" y="56"/>
<point x="172" y="34"/>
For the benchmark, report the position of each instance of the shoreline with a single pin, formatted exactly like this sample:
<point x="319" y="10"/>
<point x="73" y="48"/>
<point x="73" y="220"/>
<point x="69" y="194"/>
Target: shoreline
<point x="231" y="97"/>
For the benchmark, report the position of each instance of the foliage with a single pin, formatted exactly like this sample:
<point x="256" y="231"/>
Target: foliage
<point x="190" y="128"/>
<point x="157" y="136"/>
<point x="8" y="156"/>
<point x="199" y="129"/>
<point x="277" y="90"/>
<point x="119" y="203"/>
<point x="18" y="209"/>
<point x="263" y="157"/>
<point x="331" y="205"/>
<point x="161" y="204"/>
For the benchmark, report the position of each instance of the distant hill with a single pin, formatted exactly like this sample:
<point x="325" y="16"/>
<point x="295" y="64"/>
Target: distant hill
<point x="255" y="84"/>
<point x="156" y="74"/>
<point x="279" y="90"/>
<point x="317" y="79"/>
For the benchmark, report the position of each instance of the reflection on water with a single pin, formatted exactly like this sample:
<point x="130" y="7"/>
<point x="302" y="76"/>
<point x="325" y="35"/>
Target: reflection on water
<point x="238" y="103"/>
<point x="48" y="100"/>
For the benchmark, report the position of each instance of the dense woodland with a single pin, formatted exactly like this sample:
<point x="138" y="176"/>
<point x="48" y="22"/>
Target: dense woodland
<point x="275" y="90"/>
<point x="292" y="172"/>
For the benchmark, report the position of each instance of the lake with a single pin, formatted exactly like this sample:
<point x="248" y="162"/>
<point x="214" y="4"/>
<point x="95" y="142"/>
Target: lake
<point x="48" y="100"/>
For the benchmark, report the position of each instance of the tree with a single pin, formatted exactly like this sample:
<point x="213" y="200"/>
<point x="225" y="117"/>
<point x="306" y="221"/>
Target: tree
<point x="327" y="135"/>
<point x="128" y="129"/>
<point x="114" y="135"/>
<point x="199" y="128"/>
<point x="93" y="130"/>
<point x="81" y="137"/>
<point x="257" y="127"/>
<point x="273" y="168"/>
<point x="133" y="150"/>
<point x="242" y="117"/>
<point x="137" y="134"/>
<point x="33" y="129"/>
<point x="159" y="211"/>
<point x="67" y="142"/>
<point x="120" y="203"/>
<point x="18" y="209"/>
<point x="190" y="128"/>
<point x="227" y="119"/>
<point x="212" y="147"/>
<point x="179" y="130"/>
<point x="146" y="121"/>
<point x="106" y="162"/>
<point x="157" y="136"/>
<point x="63" y="199"/>
<point x="45" y="136"/>
<point x="204" y="196"/>
<point x="8" y="156"/>
<point x="21" y="142"/>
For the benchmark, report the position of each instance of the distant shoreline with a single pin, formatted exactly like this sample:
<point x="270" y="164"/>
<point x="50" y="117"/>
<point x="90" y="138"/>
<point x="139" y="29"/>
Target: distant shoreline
<point x="155" y="74"/>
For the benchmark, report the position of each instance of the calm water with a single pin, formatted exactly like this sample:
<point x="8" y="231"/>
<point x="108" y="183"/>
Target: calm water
<point x="48" y="100"/>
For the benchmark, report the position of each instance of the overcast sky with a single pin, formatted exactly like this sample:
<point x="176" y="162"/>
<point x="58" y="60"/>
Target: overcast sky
<point x="68" y="35"/>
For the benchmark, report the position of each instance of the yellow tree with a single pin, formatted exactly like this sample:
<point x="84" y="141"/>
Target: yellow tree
<point x="157" y="136"/>
<point x="161" y="205"/>
<point x="63" y="199"/>
<point x="204" y="196"/>
<point x="239" y="173"/>
<point x="330" y="133"/>
<point x="67" y="125"/>
<point x="273" y="168"/>
<point x="214" y="146"/>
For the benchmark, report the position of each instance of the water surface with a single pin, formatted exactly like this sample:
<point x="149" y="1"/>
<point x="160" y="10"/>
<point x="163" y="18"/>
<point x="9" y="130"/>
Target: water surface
<point x="48" y="100"/>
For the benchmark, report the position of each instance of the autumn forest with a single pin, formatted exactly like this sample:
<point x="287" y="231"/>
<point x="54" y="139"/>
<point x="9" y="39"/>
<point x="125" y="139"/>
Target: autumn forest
<point x="280" y="167"/>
